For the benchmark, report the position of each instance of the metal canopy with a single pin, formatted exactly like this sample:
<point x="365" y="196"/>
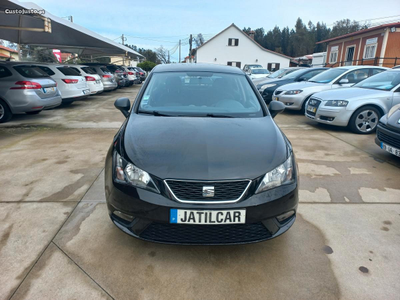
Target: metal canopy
<point x="64" y="35"/>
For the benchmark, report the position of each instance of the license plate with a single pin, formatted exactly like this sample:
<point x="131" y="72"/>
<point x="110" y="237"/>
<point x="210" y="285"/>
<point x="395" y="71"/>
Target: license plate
<point x="207" y="217"/>
<point x="311" y="109"/>
<point x="49" y="89"/>
<point x="390" y="149"/>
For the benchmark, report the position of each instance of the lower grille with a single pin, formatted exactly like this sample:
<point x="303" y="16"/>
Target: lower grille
<point x="193" y="190"/>
<point x="387" y="139"/>
<point x="315" y="103"/>
<point x="205" y="234"/>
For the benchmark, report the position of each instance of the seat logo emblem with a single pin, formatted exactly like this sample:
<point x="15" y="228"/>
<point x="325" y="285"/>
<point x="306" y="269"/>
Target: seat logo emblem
<point x="208" y="191"/>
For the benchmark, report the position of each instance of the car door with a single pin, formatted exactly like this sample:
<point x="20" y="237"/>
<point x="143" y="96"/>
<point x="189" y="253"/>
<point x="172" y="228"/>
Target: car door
<point x="396" y="96"/>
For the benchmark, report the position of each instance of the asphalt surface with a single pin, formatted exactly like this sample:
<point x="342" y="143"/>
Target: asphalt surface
<point x="57" y="242"/>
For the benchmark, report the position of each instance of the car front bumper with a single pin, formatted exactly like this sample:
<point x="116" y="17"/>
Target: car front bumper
<point x="388" y="136"/>
<point x="149" y="215"/>
<point x="338" y="116"/>
<point x="292" y="102"/>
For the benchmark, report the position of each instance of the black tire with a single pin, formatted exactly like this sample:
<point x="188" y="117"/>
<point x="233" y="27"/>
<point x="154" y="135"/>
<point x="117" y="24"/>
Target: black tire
<point x="365" y="120"/>
<point x="5" y="112"/>
<point x="67" y="103"/>
<point x="33" y="112"/>
<point x="303" y="106"/>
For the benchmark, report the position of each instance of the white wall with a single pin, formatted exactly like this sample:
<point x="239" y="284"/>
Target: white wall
<point x="247" y="52"/>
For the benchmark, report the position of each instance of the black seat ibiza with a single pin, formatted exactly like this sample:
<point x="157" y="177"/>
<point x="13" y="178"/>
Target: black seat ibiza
<point x="199" y="160"/>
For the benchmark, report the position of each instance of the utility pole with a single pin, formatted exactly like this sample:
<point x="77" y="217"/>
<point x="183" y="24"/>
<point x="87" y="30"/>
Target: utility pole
<point x="190" y="48"/>
<point x="179" y="51"/>
<point x="123" y="43"/>
<point x="168" y="58"/>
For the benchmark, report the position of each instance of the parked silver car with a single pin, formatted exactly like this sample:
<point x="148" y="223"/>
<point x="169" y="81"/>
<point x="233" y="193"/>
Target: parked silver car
<point x="107" y="77"/>
<point x="295" y="95"/>
<point x="360" y="107"/>
<point x="25" y="89"/>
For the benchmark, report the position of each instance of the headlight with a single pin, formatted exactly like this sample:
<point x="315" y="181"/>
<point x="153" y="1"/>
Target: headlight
<point x="337" y="103"/>
<point x="127" y="173"/>
<point x="265" y="86"/>
<point x="278" y="176"/>
<point x="293" y="92"/>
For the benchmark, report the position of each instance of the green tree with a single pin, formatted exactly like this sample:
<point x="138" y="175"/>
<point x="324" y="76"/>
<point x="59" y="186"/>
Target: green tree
<point x="147" y="65"/>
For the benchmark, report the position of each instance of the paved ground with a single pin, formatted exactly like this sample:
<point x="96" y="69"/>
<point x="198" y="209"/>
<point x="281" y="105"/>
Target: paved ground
<point x="56" y="241"/>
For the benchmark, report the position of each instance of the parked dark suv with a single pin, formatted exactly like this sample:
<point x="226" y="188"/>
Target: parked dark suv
<point x="200" y="160"/>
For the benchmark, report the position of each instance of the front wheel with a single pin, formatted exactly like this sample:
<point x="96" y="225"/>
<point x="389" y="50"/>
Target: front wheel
<point x="364" y="120"/>
<point x="5" y="112"/>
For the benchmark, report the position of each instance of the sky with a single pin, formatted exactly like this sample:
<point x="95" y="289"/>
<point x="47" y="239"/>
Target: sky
<point x="150" y="24"/>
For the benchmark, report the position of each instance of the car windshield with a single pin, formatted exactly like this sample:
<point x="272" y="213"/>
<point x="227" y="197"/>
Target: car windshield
<point x="67" y="71"/>
<point x="259" y="71"/>
<point x="383" y="81"/>
<point x="327" y="76"/>
<point x="30" y="71"/>
<point x="254" y="66"/>
<point x="202" y="94"/>
<point x="278" y="73"/>
<point x="295" y="73"/>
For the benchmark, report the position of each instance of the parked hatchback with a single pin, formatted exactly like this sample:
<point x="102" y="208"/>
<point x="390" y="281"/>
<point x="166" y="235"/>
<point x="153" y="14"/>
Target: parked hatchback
<point x="71" y="84"/>
<point x="200" y="160"/>
<point x="25" y="89"/>
<point x="93" y="80"/>
<point x="107" y="77"/>
<point x="359" y="107"/>
<point x="295" y="95"/>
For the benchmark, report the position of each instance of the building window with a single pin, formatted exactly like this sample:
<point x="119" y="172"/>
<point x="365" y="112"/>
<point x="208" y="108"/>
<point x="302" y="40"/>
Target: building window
<point x="370" y="48"/>
<point x="233" y="42"/>
<point x="333" y="55"/>
<point x="235" y="64"/>
<point x="273" y="67"/>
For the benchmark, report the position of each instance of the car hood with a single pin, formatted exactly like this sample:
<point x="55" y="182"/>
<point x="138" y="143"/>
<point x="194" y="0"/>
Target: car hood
<point x="394" y="120"/>
<point x="305" y="85"/>
<point x="351" y="93"/>
<point x="204" y="148"/>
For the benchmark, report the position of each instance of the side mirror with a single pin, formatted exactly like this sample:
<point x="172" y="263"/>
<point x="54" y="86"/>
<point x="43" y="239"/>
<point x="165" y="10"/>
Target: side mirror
<point x="123" y="104"/>
<point x="276" y="107"/>
<point x="343" y="81"/>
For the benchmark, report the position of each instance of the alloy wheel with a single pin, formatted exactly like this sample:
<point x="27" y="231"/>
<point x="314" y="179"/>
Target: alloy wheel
<point x="1" y="111"/>
<point x="366" y="120"/>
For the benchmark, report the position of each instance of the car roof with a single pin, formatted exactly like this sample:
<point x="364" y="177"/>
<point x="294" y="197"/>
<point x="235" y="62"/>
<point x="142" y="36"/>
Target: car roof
<point x="196" y="68"/>
<point x="360" y="67"/>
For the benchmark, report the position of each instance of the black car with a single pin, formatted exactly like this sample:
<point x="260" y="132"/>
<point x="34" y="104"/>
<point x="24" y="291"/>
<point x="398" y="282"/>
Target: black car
<point x="268" y="87"/>
<point x="200" y="160"/>
<point x="388" y="131"/>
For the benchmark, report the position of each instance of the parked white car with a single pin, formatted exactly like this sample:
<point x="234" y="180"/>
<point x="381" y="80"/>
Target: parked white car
<point x="295" y="95"/>
<point x="131" y="75"/>
<point x="258" y="73"/>
<point x="71" y="84"/>
<point x="93" y="80"/>
<point x="359" y="107"/>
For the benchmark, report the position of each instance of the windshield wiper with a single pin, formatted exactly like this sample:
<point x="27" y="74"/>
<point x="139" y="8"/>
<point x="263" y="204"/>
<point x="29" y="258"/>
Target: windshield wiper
<point x="155" y="113"/>
<point x="218" y="116"/>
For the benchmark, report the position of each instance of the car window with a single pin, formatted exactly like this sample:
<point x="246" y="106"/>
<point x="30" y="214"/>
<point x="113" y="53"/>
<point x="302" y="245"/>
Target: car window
<point x="199" y="94"/>
<point x="89" y="70"/>
<point x="47" y="70"/>
<point x="77" y="70"/>
<point x="327" y="76"/>
<point x="105" y="70"/>
<point x="356" y="75"/>
<point x="67" y="71"/>
<point x="278" y="73"/>
<point x="382" y="81"/>
<point x="30" y="71"/>
<point x="294" y="74"/>
<point x="375" y="71"/>
<point x="4" y="72"/>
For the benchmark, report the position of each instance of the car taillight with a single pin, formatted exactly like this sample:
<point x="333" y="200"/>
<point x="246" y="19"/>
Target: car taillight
<point x="118" y="71"/>
<point x="130" y="73"/>
<point x="141" y="73"/>
<point x="106" y="76"/>
<point x="26" y="85"/>
<point x="68" y="81"/>
<point x="90" y="78"/>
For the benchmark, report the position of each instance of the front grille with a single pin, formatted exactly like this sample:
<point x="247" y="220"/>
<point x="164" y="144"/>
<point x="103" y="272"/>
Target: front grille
<point x="193" y="190"/>
<point x="316" y="105"/>
<point x="278" y="92"/>
<point x="387" y="139"/>
<point x="205" y="234"/>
